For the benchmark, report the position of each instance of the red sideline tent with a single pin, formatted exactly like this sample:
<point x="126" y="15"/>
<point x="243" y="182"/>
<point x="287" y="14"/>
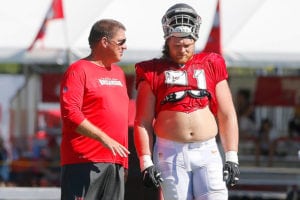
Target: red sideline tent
<point x="277" y="91"/>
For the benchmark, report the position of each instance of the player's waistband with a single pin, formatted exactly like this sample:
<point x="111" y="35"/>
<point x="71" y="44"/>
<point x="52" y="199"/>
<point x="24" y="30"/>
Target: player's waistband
<point x="178" y="145"/>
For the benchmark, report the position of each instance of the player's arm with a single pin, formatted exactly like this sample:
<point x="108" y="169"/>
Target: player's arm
<point x="143" y="133"/>
<point x="228" y="130"/>
<point x="143" y="129"/>
<point x="227" y="119"/>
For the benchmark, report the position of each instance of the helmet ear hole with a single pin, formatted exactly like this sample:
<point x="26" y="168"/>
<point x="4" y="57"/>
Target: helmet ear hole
<point x="181" y="20"/>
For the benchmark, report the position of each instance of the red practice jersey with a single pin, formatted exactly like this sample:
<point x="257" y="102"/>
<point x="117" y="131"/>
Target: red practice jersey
<point x="100" y="96"/>
<point x="203" y="71"/>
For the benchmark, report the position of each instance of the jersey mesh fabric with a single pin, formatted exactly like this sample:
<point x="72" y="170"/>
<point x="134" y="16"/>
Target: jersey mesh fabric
<point x="153" y="71"/>
<point x="99" y="95"/>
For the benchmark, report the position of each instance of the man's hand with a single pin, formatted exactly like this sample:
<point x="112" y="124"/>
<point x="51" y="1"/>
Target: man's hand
<point x="231" y="173"/>
<point x="151" y="177"/>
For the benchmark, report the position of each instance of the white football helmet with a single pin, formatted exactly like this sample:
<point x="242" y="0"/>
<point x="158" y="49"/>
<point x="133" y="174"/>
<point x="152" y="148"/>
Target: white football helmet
<point x="181" y="20"/>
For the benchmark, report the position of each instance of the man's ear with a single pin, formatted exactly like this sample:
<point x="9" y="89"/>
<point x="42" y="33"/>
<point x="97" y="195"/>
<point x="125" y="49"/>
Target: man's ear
<point x="104" y="42"/>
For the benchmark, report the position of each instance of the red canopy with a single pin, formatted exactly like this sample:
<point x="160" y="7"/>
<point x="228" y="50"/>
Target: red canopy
<point x="277" y="91"/>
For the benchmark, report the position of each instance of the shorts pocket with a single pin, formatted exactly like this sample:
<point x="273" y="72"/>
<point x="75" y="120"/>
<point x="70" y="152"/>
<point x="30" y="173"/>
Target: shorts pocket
<point x="215" y="178"/>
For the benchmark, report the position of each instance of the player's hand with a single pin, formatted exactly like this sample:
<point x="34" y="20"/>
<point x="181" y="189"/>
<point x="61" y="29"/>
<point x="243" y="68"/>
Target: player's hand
<point x="151" y="177"/>
<point x="231" y="173"/>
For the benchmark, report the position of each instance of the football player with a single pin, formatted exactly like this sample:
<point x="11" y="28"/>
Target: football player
<point x="183" y="103"/>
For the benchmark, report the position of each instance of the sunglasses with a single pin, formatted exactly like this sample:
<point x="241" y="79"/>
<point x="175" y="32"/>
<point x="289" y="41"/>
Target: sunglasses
<point x="119" y="43"/>
<point x="177" y="96"/>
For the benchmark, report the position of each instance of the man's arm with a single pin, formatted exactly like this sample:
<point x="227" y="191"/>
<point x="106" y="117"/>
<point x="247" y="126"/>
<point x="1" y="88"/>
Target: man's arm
<point x="143" y="124"/>
<point x="227" y="119"/>
<point x="87" y="129"/>
<point x="143" y="134"/>
<point x="228" y="130"/>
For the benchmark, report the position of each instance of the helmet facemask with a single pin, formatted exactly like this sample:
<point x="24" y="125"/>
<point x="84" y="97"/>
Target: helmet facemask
<point x="181" y="20"/>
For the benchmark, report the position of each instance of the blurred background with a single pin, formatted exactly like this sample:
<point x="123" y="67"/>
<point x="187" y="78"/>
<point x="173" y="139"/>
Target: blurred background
<point x="259" y="40"/>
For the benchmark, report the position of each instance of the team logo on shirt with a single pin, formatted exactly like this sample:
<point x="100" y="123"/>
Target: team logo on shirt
<point x="181" y="78"/>
<point x="176" y="77"/>
<point x="110" y="82"/>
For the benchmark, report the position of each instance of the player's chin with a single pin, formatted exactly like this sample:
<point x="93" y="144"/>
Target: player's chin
<point x="181" y="60"/>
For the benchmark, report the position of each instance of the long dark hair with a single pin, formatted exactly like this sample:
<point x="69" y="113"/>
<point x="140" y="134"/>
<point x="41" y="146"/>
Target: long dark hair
<point x="165" y="51"/>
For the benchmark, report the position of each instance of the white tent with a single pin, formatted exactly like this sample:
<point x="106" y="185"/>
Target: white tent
<point x="67" y="39"/>
<point x="261" y="32"/>
<point x="254" y="32"/>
